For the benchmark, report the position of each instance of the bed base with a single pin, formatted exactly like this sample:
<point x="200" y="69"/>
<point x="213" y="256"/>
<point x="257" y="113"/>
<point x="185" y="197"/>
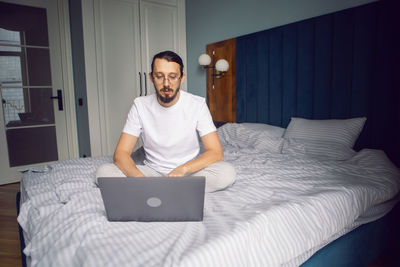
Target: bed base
<point x="362" y="245"/>
<point x="21" y="233"/>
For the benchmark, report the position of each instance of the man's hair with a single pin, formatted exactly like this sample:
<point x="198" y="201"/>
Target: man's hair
<point x="170" y="57"/>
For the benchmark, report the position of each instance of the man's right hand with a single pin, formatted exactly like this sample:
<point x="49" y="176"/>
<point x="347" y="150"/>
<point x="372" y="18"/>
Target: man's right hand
<point x="122" y="155"/>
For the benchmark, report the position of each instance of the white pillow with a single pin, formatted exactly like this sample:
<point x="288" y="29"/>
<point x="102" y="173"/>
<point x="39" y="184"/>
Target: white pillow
<point x="263" y="142"/>
<point x="238" y="136"/>
<point x="273" y="131"/>
<point x="344" y="132"/>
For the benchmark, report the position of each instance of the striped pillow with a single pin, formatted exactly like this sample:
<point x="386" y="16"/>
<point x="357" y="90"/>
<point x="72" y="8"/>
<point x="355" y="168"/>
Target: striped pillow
<point x="343" y="132"/>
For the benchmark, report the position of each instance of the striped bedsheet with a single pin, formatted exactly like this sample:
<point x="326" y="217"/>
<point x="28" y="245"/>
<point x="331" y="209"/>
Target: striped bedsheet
<point x="281" y="209"/>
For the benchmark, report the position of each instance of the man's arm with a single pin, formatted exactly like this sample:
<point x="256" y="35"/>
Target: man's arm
<point x="212" y="154"/>
<point x="122" y="156"/>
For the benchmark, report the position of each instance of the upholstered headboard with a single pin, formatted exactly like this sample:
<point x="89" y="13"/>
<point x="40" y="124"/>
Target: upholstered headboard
<point x="339" y="65"/>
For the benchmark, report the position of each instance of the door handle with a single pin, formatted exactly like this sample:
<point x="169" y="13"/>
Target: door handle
<point x="140" y="81"/>
<point x="59" y="98"/>
<point x="145" y="84"/>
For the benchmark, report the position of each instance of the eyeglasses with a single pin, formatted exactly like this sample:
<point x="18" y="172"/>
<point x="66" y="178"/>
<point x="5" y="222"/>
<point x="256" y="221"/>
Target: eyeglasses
<point x="160" y="79"/>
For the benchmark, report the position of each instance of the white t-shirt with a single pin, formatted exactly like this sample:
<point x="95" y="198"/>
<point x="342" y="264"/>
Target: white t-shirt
<point x="169" y="134"/>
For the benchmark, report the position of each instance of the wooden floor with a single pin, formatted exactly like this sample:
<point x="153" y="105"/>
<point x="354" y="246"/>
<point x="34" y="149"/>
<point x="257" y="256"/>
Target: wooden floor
<point x="10" y="255"/>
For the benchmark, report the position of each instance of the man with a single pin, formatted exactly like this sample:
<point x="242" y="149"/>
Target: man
<point x="168" y="122"/>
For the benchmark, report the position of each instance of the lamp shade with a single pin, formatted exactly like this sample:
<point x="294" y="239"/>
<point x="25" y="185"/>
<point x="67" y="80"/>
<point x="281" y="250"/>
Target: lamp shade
<point x="204" y="60"/>
<point x="222" y="65"/>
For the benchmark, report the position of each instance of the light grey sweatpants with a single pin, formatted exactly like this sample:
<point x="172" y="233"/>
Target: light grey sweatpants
<point x="218" y="175"/>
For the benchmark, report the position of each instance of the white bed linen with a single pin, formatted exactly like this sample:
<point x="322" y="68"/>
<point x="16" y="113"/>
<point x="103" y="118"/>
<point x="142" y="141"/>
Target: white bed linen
<point x="281" y="209"/>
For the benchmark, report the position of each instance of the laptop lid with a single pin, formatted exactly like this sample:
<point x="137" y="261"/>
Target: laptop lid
<point x="153" y="198"/>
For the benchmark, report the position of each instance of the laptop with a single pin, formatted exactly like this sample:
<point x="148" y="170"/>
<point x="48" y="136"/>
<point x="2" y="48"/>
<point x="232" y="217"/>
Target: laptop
<point x="153" y="198"/>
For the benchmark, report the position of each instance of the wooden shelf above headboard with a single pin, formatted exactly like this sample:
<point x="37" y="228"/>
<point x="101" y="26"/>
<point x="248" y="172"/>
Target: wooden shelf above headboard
<point x="221" y="99"/>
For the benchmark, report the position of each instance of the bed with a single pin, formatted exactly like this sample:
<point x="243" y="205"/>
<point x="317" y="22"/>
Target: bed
<point x="286" y="204"/>
<point x="312" y="188"/>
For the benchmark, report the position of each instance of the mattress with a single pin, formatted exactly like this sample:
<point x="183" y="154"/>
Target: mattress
<point x="281" y="209"/>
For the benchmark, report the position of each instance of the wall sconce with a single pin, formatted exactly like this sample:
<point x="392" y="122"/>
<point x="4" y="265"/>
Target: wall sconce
<point x="219" y="68"/>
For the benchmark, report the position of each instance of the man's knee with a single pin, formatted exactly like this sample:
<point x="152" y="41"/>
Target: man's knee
<point x="109" y="170"/>
<point x="225" y="170"/>
<point x="219" y="176"/>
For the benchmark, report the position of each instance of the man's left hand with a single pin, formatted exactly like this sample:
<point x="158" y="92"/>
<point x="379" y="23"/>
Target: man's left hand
<point x="178" y="172"/>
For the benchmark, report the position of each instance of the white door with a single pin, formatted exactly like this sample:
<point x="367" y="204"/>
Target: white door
<point x="120" y="39"/>
<point x="159" y="32"/>
<point x="118" y="48"/>
<point x="32" y="118"/>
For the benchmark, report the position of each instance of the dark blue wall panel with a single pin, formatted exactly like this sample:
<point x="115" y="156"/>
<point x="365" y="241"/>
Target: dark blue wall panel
<point x="336" y="66"/>
<point x="252" y="79"/>
<point x="289" y="69"/>
<point x="241" y="87"/>
<point x="342" y="62"/>
<point x="275" y="77"/>
<point x="305" y="68"/>
<point x="263" y="77"/>
<point x="365" y="20"/>
<point x="322" y="67"/>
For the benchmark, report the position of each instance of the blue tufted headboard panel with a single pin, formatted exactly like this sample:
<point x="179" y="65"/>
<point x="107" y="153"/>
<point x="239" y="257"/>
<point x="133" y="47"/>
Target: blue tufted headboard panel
<point x="336" y="66"/>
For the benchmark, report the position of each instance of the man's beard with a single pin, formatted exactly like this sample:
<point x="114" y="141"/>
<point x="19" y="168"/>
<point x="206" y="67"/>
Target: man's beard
<point x="167" y="98"/>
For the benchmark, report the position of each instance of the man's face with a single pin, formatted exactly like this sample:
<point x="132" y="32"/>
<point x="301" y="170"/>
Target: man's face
<point x="167" y="80"/>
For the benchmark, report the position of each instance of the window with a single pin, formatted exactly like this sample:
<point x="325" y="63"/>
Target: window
<point x="11" y="74"/>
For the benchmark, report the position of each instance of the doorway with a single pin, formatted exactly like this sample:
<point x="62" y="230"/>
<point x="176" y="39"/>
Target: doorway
<point x="33" y="121"/>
